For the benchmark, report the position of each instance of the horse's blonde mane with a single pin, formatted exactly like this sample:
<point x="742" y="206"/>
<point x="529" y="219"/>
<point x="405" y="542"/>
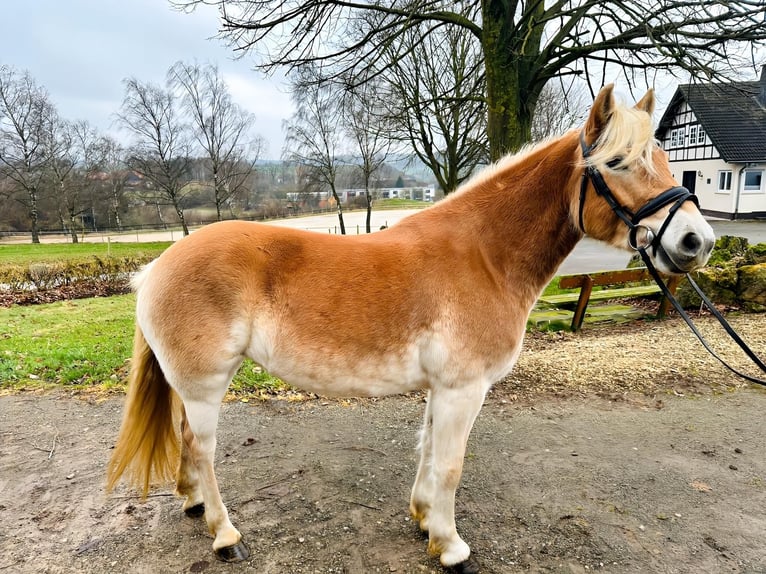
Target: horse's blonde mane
<point x="629" y="136"/>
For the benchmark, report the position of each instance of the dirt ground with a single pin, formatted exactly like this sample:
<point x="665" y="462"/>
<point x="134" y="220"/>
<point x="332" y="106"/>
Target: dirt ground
<point x="676" y="484"/>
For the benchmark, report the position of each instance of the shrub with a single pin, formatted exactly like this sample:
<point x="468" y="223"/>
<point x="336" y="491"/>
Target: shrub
<point x="70" y="272"/>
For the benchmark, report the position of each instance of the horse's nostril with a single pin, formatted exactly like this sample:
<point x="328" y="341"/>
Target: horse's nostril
<point x="691" y="242"/>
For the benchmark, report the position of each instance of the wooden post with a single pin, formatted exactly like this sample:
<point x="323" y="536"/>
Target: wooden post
<point x="673" y="283"/>
<point x="582" y="303"/>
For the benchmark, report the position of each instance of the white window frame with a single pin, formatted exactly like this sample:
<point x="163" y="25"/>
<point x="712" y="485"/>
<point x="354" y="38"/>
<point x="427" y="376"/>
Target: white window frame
<point x="727" y="174"/>
<point x="677" y="137"/>
<point x="752" y="189"/>
<point x="700" y="135"/>
<point x="693" y="135"/>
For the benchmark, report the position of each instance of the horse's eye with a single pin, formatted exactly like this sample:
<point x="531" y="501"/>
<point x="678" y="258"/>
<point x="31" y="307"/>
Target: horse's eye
<point x="615" y="164"/>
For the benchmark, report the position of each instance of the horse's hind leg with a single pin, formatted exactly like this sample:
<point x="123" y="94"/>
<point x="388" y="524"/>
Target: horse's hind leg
<point x="202" y="420"/>
<point x="453" y="411"/>
<point x="187" y="478"/>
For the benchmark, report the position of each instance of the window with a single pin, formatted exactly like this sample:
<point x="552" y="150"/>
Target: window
<point x="701" y="135"/>
<point x="753" y="181"/>
<point x="724" y="181"/>
<point x="696" y="135"/>
<point x="677" y="137"/>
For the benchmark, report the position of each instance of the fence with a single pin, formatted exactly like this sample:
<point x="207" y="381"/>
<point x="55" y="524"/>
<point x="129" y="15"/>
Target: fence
<point x="173" y="232"/>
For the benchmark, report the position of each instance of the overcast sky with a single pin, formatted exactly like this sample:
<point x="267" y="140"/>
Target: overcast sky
<point x="81" y="50"/>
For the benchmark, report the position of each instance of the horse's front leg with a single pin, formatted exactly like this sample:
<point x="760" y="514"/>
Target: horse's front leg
<point x="453" y="411"/>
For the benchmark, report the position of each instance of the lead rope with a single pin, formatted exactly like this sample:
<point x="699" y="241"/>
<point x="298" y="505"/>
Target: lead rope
<point x="728" y="328"/>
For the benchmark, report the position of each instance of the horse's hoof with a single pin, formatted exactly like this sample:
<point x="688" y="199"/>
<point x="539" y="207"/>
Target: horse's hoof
<point x="468" y="566"/>
<point x="236" y="553"/>
<point x="196" y="511"/>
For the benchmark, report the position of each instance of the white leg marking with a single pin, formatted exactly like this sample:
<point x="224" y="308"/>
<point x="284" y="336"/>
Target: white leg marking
<point x="203" y="421"/>
<point x="453" y="412"/>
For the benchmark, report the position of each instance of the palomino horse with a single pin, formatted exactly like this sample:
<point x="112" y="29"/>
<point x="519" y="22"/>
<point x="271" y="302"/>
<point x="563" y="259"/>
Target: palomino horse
<point x="447" y="292"/>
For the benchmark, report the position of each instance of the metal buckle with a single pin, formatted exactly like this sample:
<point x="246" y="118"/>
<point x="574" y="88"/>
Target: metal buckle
<point x="646" y="241"/>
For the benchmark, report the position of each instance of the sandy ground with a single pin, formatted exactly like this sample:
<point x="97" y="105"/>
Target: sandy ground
<point x="550" y="485"/>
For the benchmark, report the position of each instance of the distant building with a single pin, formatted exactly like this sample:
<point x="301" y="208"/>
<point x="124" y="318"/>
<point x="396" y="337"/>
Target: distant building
<point x="415" y="193"/>
<point x="715" y="136"/>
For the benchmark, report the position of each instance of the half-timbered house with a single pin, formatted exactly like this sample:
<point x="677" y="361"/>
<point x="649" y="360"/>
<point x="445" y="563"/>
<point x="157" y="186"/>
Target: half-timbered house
<point x="715" y="136"/>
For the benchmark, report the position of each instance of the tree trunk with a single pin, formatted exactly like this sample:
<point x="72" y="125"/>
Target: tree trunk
<point x="116" y="213"/>
<point x="511" y="97"/>
<point x="369" y="209"/>
<point x="340" y="210"/>
<point x="181" y="217"/>
<point x="73" y="229"/>
<point x="34" y="216"/>
<point x="159" y="214"/>
<point x="217" y="193"/>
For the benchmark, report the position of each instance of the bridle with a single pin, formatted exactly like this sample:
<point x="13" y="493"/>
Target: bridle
<point x="676" y="196"/>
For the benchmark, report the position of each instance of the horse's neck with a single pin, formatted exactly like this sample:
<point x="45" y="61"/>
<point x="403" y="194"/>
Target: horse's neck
<point x="521" y="215"/>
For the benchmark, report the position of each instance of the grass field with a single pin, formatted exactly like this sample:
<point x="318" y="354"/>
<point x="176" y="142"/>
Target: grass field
<point x="56" y="252"/>
<point x="400" y="204"/>
<point x="85" y="343"/>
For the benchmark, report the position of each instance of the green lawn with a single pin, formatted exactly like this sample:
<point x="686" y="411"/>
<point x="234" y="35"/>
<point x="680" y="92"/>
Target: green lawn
<point x="26" y="253"/>
<point x="85" y="343"/>
<point x="399" y="204"/>
<point x="78" y="343"/>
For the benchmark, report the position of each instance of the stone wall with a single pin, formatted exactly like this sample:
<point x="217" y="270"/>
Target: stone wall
<point x="735" y="275"/>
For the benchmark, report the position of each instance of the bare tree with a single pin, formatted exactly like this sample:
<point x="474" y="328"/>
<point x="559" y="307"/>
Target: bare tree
<point x="523" y="44"/>
<point x="161" y="148"/>
<point x="25" y="116"/>
<point x="436" y="103"/>
<point x="222" y="129"/>
<point x="115" y="163"/>
<point x="363" y="117"/>
<point x="314" y="134"/>
<point x="75" y="158"/>
<point x="59" y="176"/>
<point x="558" y="109"/>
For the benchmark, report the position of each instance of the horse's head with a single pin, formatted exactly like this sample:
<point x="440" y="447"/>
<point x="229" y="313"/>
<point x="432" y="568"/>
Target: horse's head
<point x="628" y="196"/>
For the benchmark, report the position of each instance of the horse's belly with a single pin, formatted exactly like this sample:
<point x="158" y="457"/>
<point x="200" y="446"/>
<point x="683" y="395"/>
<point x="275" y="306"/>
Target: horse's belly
<point x="328" y="368"/>
<point x="323" y="364"/>
<point x="338" y="377"/>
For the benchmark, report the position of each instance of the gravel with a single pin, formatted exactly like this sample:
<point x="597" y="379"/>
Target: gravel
<point x="646" y="357"/>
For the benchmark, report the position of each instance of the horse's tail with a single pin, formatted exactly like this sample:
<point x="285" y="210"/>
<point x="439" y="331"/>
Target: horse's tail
<point x="148" y="446"/>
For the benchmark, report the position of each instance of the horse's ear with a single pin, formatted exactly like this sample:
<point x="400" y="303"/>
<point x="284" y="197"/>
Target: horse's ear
<point x="599" y="113"/>
<point x="646" y="103"/>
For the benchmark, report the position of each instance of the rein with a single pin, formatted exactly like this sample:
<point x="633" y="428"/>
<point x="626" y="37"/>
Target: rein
<point x="677" y="196"/>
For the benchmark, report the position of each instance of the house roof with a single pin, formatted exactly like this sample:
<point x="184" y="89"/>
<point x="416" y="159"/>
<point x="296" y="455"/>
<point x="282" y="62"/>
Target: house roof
<point x="733" y="116"/>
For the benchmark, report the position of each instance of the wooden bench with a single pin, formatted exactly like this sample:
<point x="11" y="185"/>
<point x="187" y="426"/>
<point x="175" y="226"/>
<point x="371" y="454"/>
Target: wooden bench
<point x="585" y="282"/>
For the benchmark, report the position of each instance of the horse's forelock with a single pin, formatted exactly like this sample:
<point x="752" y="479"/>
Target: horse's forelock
<point x="628" y="136"/>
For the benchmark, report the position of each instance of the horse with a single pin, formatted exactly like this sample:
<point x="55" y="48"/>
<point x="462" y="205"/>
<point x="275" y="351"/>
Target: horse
<point x="447" y="292"/>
